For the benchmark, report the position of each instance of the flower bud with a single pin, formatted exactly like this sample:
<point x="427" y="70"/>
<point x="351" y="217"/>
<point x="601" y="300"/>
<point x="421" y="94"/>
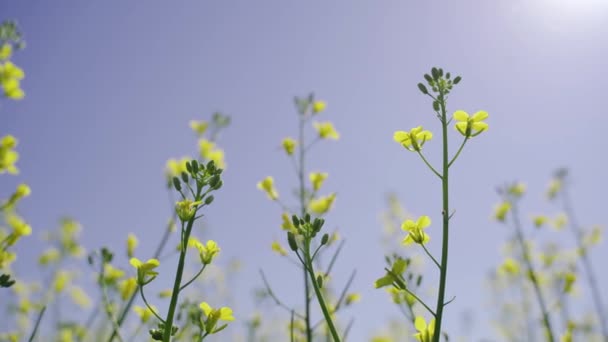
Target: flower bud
<point x="177" y="184"/>
<point x="422" y="88"/>
<point x="209" y="200"/>
<point x="291" y="240"/>
<point x="324" y="239"/>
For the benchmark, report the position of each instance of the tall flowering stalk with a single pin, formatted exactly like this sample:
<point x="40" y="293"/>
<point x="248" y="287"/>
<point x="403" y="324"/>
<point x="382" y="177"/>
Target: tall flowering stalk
<point x="468" y="126"/>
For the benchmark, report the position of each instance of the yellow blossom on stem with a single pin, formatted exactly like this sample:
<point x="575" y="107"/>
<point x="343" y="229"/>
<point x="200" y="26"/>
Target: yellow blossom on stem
<point x="186" y="209"/>
<point x="127" y="287"/>
<point x="199" y="127"/>
<point x="276" y="246"/>
<point x="208" y="251"/>
<point x="555" y="185"/>
<point x="289" y="145"/>
<point x="425" y="332"/>
<point x="145" y="270"/>
<point x="326" y="130"/>
<point x="287" y="223"/>
<point x="560" y="221"/>
<point x="6" y="50"/>
<point x="144" y="313"/>
<point x="79" y="297"/>
<point x="61" y="280"/>
<point x="539" y="220"/>
<point x="414" y="139"/>
<point x="165" y="293"/>
<point x="318" y="107"/>
<point x="470" y="126"/>
<point x="131" y="244"/>
<point x="317" y="179"/>
<point x="212" y="316"/>
<point x="8" y="155"/>
<point x="49" y="256"/>
<point x="501" y="211"/>
<point x="509" y="267"/>
<point x="112" y="274"/>
<point x="10" y="77"/>
<point x="322" y="205"/>
<point x="352" y="298"/>
<point x="210" y="151"/>
<point x="415" y="230"/>
<point x="517" y="189"/>
<point x="267" y="185"/>
<point x="175" y="167"/>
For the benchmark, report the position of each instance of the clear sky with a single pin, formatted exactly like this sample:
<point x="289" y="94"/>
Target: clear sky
<point x="111" y="86"/>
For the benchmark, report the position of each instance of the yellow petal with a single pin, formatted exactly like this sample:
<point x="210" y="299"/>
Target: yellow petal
<point x="481" y="115"/>
<point x="420" y="324"/>
<point x="461" y="115"/>
<point x="206" y="308"/>
<point x="462" y="127"/>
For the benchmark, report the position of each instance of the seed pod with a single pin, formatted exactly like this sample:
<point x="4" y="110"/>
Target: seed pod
<point x="457" y="79"/>
<point x="325" y="239"/>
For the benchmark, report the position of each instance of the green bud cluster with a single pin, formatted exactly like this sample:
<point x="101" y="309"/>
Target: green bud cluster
<point x="440" y="83"/>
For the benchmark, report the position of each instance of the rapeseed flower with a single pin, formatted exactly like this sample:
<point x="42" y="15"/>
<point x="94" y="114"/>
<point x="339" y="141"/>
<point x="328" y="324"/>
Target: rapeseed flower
<point x="470" y="126"/>
<point x="267" y="185"/>
<point x="6" y="50"/>
<point x="501" y="211"/>
<point x="144" y="313"/>
<point x="289" y="145"/>
<point x="318" y="107"/>
<point x="199" y="127"/>
<point x="145" y="270"/>
<point x="326" y="130"/>
<point x="186" y="209"/>
<point x="8" y="155"/>
<point x="425" y="332"/>
<point x="208" y="251"/>
<point x="212" y="316"/>
<point x="322" y="205"/>
<point x="210" y="151"/>
<point x="415" y="230"/>
<point x="414" y="139"/>
<point x="276" y="247"/>
<point x="317" y="179"/>
<point x="127" y="287"/>
<point x="131" y="244"/>
<point x="10" y="77"/>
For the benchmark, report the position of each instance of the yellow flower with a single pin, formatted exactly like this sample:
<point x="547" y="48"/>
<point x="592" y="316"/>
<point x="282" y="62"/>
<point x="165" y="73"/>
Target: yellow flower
<point x="322" y="205"/>
<point x="267" y="185"/>
<point x="287" y="223"/>
<point x="415" y="230"/>
<point x="517" y="189"/>
<point x="80" y="297"/>
<point x="145" y="270"/>
<point x="318" y="107"/>
<point x="214" y="315"/>
<point x="127" y="287"/>
<point x="555" y="185"/>
<point x="23" y="190"/>
<point x="186" y="209"/>
<point x="61" y="280"/>
<point x="175" y="167"/>
<point x="317" y="179"/>
<point x="399" y="266"/>
<point x="144" y="313"/>
<point x="208" y="251"/>
<point x="425" y="332"/>
<point x="199" y="127"/>
<point x="594" y="237"/>
<point x="165" y="293"/>
<point x="539" y="220"/>
<point x="326" y="130"/>
<point x="414" y="139"/>
<point x="131" y="244"/>
<point x="49" y="256"/>
<point x="6" y="51"/>
<point x="112" y="274"/>
<point x="352" y="298"/>
<point x="289" y="145"/>
<point x="210" y="151"/>
<point x="509" y="267"/>
<point x="276" y="246"/>
<point x="470" y="126"/>
<point x="501" y="211"/>
<point x="10" y="75"/>
<point x="8" y="155"/>
<point x="560" y="221"/>
<point x="569" y="279"/>
<point x="6" y="258"/>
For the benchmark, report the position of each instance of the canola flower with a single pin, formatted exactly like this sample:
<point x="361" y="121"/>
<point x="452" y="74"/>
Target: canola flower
<point x="470" y="126"/>
<point x="267" y="185"/>
<point x="213" y="316"/>
<point x="414" y="139"/>
<point x="199" y="127"/>
<point x="317" y="179"/>
<point x="145" y="270"/>
<point x="208" y="251"/>
<point x="132" y="243"/>
<point x="415" y="230"/>
<point x="425" y="332"/>
<point x="322" y="204"/>
<point x="10" y="80"/>
<point x="210" y="151"/>
<point x="8" y="155"/>
<point x="326" y="130"/>
<point x="289" y="145"/>
<point x="318" y="107"/>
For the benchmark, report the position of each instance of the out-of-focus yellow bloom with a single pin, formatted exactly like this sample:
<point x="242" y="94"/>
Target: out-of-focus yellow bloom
<point x="127" y="287"/>
<point x="326" y="130"/>
<point x="569" y="279"/>
<point x="415" y="230"/>
<point x="10" y="77"/>
<point x="509" y="267"/>
<point x="555" y="185"/>
<point x="10" y="337"/>
<point x="144" y="313"/>
<point x="145" y="270"/>
<point x="517" y="189"/>
<point x="289" y="145"/>
<point x="80" y="297"/>
<point x="382" y="338"/>
<point x="215" y="315"/>
<point x="267" y="185"/>
<point x="112" y="274"/>
<point x="287" y="223"/>
<point x="49" y="256"/>
<point x="425" y="332"/>
<point x="199" y="127"/>
<point x="210" y="151"/>
<point x="131" y="244"/>
<point x="399" y="266"/>
<point x="186" y="209"/>
<point x="539" y="220"/>
<point x="322" y="205"/>
<point x="8" y="155"/>
<point x="6" y="258"/>
<point x="414" y="139"/>
<point x="501" y="211"/>
<point x="318" y="107"/>
<point x="470" y="126"/>
<point x="208" y="251"/>
<point x="165" y="293"/>
<point x="23" y="190"/>
<point x="276" y="246"/>
<point x="175" y="167"/>
<point x="317" y="179"/>
<point x="594" y="237"/>
<point x="62" y="278"/>
<point x="352" y="298"/>
<point x="560" y="221"/>
<point x="66" y="335"/>
<point x="6" y="50"/>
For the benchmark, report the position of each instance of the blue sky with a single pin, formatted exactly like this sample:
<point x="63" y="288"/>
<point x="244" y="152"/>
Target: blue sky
<point x="112" y="85"/>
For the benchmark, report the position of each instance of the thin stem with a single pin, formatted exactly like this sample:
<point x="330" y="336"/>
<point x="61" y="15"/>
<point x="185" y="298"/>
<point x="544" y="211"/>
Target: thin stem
<point x="402" y="286"/>
<point x="38" y="320"/>
<point x="430" y="256"/>
<point x="595" y="293"/>
<point x="275" y="298"/>
<point x="141" y="291"/>
<point x="429" y="165"/>
<point x="459" y="150"/>
<point x="326" y="313"/>
<point x="531" y="272"/>
<point x="106" y="305"/>
<point x="177" y="283"/>
<point x="193" y="278"/>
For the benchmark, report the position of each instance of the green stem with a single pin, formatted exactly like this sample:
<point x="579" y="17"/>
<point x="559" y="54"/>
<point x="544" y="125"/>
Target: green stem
<point x="38" y="320"/>
<point x="326" y="313"/>
<point x="193" y="278"/>
<point x="177" y="283"/>
<point x="106" y="305"/>
<point x="430" y="256"/>
<point x="532" y="273"/>
<point x="141" y="291"/>
<point x="458" y="153"/>
<point x="446" y="223"/>
<point x="429" y="165"/>
<point x="595" y="293"/>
